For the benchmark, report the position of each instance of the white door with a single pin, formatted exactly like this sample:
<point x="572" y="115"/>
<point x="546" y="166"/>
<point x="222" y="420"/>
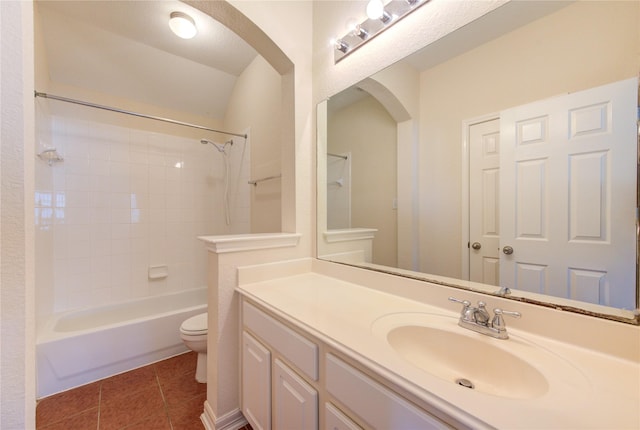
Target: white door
<point x="568" y="195"/>
<point x="484" y="202"/>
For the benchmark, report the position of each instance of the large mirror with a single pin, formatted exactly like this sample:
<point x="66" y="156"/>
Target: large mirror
<point x="501" y="158"/>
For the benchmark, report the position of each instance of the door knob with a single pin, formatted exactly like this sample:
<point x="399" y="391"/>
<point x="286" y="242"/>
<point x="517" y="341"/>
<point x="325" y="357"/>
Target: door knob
<point x="507" y="250"/>
<point x="476" y="245"/>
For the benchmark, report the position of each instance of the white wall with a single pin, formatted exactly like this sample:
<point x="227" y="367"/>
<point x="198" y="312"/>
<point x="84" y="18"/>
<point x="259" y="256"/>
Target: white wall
<point x="17" y="331"/>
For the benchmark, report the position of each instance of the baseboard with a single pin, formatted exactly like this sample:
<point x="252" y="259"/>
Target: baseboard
<point x="233" y="420"/>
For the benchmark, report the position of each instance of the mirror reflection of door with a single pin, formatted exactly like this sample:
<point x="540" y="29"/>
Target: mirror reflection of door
<point x="484" y="199"/>
<point x="574" y="159"/>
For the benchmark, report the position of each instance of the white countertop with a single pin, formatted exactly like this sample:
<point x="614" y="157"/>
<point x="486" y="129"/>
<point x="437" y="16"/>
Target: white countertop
<point x="598" y="390"/>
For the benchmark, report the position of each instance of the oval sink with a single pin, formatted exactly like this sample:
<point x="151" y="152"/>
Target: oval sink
<point x="462" y="359"/>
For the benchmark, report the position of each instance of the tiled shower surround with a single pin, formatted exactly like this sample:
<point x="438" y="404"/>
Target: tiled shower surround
<point x="122" y="201"/>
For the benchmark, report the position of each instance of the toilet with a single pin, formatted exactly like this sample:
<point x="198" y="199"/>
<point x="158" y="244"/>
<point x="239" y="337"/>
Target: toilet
<point x="193" y="332"/>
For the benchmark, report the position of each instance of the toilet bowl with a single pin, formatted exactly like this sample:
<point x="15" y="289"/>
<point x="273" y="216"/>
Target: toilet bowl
<point x="193" y="332"/>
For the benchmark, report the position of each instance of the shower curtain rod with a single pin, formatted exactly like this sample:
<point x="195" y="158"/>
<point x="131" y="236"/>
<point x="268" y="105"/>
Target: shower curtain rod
<point x="141" y="115"/>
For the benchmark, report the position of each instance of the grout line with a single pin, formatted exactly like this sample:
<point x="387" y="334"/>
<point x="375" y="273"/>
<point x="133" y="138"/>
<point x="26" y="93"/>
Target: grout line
<point x="164" y="399"/>
<point x="99" y="406"/>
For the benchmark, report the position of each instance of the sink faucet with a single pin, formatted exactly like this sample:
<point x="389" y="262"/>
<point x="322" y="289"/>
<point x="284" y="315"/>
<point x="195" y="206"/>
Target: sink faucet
<point x="477" y="319"/>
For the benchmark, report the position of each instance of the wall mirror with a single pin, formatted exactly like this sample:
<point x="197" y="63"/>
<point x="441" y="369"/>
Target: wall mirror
<point x="501" y="158"/>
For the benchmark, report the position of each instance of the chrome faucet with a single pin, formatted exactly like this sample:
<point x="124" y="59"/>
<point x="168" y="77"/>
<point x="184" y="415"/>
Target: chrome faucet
<point x="477" y="319"/>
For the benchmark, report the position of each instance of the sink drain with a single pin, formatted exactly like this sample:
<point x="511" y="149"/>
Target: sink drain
<point x="465" y="383"/>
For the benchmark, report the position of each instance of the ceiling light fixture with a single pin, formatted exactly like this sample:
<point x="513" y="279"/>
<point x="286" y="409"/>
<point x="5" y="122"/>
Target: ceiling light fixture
<point x="182" y="25"/>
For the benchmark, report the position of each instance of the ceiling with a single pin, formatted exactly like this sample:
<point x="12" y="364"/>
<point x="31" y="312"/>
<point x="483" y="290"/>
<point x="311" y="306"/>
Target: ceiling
<point x="126" y="49"/>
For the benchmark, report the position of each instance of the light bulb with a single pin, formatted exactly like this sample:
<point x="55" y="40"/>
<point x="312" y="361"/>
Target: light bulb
<point x="375" y="9"/>
<point x="351" y="24"/>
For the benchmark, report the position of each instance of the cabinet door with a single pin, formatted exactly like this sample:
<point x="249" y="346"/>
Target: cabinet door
<point x="334" y="419"/>
<point x="256" y="383"/>
<point x="295" y="402"/>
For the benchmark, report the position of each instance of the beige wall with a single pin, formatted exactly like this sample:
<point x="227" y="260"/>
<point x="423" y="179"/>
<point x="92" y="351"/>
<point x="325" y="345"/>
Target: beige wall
<point x="581" y="46"/>
<point x="255" y="107"/>
<point x="367" y="131"/>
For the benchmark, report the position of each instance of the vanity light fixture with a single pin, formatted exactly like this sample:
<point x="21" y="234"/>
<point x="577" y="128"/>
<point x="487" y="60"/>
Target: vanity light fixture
<point x="182" y="25"/>
<point x="380" y="16"/>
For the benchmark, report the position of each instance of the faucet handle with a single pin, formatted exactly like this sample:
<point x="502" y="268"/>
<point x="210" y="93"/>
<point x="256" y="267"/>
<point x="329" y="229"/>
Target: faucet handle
<point x="465" y="303"/>
<point x="467" y="313"/>
<point x="498" y="321"/>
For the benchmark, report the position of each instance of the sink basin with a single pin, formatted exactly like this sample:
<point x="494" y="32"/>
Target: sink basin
<point x="514" y="368"/>
<point x="470" y="362"/>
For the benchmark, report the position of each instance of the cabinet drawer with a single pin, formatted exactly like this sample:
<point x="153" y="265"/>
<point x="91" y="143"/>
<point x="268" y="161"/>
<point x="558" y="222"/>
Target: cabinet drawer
<point x="298" y="350"/>
<point x="375" y="404"/>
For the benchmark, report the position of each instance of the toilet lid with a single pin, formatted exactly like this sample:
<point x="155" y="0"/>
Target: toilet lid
<point x="196" y="324"/>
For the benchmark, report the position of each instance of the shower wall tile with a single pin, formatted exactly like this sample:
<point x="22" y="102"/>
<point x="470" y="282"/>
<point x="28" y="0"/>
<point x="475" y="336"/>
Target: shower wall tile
<point x="124" y="200"/>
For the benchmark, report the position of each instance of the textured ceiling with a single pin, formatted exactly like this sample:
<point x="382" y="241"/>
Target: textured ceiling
<point x="125" y="48"/>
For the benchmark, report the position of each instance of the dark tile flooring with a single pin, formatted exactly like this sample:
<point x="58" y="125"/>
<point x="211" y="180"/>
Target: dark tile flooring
<point x="160" y="396"/>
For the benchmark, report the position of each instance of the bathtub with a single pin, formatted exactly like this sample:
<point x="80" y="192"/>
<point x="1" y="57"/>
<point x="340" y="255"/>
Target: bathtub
<point x="78" y="347"/>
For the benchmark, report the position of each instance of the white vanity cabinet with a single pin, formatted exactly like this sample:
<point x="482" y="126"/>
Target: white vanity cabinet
<point x="274" y="395"/>
<point x="283" y="385"/>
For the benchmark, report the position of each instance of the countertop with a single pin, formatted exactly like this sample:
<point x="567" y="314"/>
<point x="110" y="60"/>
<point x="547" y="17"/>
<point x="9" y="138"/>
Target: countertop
<point x="588" y="389"/>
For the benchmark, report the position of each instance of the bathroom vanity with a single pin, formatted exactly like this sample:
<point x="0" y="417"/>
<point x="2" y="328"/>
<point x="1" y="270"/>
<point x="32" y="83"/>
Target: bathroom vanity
<point x="333" y="347"/>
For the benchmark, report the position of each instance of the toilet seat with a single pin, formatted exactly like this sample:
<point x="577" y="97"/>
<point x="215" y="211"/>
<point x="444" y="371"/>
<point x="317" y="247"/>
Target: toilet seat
<point x="196" y="325"/>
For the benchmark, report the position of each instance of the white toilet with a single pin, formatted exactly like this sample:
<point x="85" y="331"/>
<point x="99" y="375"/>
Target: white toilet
<point x="193" y="332"/>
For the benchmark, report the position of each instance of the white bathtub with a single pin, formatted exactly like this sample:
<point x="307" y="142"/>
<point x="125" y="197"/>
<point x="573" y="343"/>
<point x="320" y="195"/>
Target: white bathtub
<point x="83" y="346"/>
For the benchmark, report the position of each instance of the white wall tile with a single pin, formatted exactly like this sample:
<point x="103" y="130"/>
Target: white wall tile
<point x="124" y="200"/>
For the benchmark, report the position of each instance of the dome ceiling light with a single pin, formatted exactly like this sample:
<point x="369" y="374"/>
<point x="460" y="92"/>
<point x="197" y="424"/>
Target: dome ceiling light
<point x="182" y="25"/>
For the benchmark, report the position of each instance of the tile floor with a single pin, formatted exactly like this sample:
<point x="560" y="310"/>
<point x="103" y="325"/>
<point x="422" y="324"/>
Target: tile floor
<point x="160" y="396"/>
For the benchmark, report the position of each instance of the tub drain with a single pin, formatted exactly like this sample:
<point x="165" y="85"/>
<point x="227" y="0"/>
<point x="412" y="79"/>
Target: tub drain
<point x="465" y="383"/>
